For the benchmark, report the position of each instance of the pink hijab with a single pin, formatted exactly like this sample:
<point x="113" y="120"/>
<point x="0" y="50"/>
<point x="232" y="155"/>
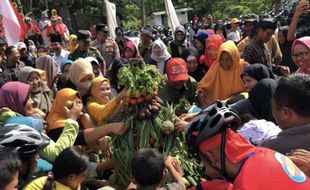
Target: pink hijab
<point x="215" y="40"/>
<point x="306" y="42"/>
<point x="14" y="95"/>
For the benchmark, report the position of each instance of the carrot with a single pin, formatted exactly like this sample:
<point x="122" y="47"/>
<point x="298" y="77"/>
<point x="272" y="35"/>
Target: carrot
<point x="140" y="100"/>
<point x="133" y="101"/>
<point x="148" y="97"/>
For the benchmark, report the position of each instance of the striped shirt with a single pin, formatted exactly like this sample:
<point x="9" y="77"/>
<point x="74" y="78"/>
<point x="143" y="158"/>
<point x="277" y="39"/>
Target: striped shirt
<point x="257" y="52"/>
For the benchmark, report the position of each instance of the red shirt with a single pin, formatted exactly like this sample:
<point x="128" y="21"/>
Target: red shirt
<point x="270" y="170"/>
<point x="58" y="28"/>
<point x="33" y="29"/>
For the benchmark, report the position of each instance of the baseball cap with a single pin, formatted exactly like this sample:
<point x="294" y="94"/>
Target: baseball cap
<point x="102" y="27"/>
<point x="251" y="18"/>
<point x="177" y="69"/>
<point x="236" y="146"/>
<point x="84" y="35"/>
<point x="21" y="45"/>
<point x="235" y="21"/>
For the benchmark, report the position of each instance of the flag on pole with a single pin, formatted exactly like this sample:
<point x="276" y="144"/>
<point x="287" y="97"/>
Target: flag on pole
<point x="173" y="20"/>
<point x="13" y="23"/>
<point x="111" y="17"/>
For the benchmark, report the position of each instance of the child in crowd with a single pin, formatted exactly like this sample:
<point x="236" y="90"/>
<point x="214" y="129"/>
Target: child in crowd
<point x="153" y="162"/>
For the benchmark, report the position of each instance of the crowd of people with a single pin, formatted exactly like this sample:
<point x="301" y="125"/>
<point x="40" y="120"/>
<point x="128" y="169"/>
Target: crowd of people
<point x="249" y="88"/>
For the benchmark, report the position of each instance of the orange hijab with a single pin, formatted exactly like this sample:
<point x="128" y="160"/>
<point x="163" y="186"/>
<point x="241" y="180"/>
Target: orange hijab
<point x="94" y="91"/>
<point x="56" y="118"/>
<point x="219" y="83"/>
<point x="215" y="40"/>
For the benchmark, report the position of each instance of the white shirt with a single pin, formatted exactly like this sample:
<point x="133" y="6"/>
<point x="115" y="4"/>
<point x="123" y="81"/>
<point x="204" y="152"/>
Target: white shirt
<point x="62" y="56"/>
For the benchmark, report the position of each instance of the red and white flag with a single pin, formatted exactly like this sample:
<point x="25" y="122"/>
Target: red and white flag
<point x="12" y="22"/>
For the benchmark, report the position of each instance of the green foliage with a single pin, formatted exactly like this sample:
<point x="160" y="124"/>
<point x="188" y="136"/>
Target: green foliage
<point x="131" y="15"/>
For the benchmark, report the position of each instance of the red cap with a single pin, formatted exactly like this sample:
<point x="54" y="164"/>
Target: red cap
<point x="236" y="147"/>
<point x="176" y="69"/>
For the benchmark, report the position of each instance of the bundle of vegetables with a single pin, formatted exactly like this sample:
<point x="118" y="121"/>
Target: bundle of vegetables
<point x="150" y="122"/>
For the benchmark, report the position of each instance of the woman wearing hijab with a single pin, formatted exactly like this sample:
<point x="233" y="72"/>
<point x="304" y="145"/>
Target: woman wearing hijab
<point x="254" y="73"/>
<point x="80" y="77"/>
<point x="179" y="43"/>
<point x="213" y="45"/>
<point x="73" y="43"/>
<point x="223" y="78"/>
<point x="301" y="54"/>
<point x="64" y="76"/>
<point x="259" y="102"/>
<point x="100" y="106"/>
<point x="15" y="96"/>
<point x="286" y="48"/>
<point x="41" y="95"/>
<point x="260" y="97"/>
<point x="191" y="57"/>
<point x="130" y="50"/>
<point x="159" y="55"/>
<point x="87" y="134"/>
<point x="200" y="41"/>
<point x="51" y="69"/>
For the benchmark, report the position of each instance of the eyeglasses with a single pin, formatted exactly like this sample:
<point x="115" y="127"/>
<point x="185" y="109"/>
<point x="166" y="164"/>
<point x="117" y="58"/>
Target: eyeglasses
<point x="301" y="55"/>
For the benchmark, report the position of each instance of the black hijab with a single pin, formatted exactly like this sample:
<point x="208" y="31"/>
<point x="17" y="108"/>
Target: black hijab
<point x="258" y="72"/>
<point x="286" y="49"/>
<point x="260" y="97"/>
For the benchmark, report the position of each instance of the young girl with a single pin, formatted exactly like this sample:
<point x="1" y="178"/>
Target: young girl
<point x="69" y="171"/>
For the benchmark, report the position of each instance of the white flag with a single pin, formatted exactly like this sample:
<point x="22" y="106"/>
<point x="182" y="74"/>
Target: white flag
<point x="173" y="20"/>
<point x="10" y="23"/>
<point x="111" y="17"/>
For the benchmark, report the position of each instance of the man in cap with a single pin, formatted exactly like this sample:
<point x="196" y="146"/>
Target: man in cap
<point x="250" y="27"/>
<point x="234" y="34"/>
<point x="33" y="32"/>
<point x="84" y="49"/>
<point x="178" y="83"/>
<point x="25" y="56"/>
<point x="145" y="45"/>
<point x="60" y="54"/>
<point x="258" y="51"/>
<point x="102" y="31"/>
<point x="177" y="46"/>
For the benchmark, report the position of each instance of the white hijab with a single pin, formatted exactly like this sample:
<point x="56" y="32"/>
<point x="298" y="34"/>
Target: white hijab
<point x="164" y="55"/>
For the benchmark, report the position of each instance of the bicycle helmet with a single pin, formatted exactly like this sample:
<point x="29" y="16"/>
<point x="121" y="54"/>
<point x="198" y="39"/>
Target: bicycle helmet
<point x="22" y="138"/>
<point x="211" y="121"/>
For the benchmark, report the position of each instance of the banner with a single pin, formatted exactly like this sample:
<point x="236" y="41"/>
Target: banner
<point x="11" y="23"/>
<point x="173" y="20"/>
<point x="111" y="17"/>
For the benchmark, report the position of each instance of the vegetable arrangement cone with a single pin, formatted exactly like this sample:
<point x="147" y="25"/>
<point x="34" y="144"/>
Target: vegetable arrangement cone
<point x="150" y="123"/>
